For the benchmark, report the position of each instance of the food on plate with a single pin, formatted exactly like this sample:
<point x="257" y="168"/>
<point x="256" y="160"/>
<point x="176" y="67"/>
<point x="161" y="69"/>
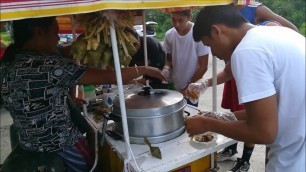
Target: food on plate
<point x="98" y="113"/>
<point x="204" y="138"/>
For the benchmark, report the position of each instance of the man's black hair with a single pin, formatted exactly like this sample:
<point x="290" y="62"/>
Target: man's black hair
<point x="23" y="31"/>
<point x="187" y="13"/>
<point x="210" y="15"/>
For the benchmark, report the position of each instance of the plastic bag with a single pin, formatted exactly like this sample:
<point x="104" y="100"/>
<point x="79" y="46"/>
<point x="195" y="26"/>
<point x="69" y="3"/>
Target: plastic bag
<point x="224" y="116"/>
<point x="196" y="89"/>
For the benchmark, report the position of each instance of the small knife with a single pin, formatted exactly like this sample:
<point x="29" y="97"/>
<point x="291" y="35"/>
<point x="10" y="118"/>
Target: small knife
<point x="155" y="151"/>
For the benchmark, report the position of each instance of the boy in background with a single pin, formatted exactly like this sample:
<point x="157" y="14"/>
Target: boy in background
<point x="186" y="60"/>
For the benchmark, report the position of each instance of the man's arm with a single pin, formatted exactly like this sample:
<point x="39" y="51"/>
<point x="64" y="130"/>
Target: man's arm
<point x="263" y="13"/>
<point x="223" y="76"/>
<point x="260" y="125"/>
<point x="194" y="90"/>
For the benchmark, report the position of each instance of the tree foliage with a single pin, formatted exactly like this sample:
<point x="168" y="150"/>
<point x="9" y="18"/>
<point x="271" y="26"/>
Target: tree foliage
<point x="292" y="10"/>
<point x="163" y="20"/>
<point x="302" y="29"/>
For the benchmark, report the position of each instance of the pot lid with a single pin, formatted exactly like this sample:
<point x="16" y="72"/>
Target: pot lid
<point x="150" y="98"/>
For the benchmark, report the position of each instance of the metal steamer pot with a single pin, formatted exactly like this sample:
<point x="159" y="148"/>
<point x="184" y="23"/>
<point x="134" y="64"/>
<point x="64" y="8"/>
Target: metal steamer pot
<point x="157" y="114"/>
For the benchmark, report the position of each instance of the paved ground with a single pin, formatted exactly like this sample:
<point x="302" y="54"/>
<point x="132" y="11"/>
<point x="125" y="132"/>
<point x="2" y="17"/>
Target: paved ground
<point x="257" y="159"/>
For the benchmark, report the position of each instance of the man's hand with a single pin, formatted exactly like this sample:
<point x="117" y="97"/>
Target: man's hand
<point x="194" y="90"/>
<point x="200" y="123"/>
<point x="196" y="125"/>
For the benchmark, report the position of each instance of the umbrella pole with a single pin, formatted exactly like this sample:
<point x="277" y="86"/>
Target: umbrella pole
<point x="214" y="99"/>
<point x="121" y="99"/>
<point x="85" y="114"/>
<point x="120" y="88"/>
<point x="73" y="28"/>
<point x="144" y="28"/>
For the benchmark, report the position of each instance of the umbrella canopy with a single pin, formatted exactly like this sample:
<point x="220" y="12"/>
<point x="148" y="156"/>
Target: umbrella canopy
<point x="20" y="9"/>
<point x="169" y="10"/>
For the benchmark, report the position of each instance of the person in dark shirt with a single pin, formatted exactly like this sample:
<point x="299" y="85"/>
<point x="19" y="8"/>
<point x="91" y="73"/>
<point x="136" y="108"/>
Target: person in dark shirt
<point x="35" y="83"/>
<point x="156" y="58"/>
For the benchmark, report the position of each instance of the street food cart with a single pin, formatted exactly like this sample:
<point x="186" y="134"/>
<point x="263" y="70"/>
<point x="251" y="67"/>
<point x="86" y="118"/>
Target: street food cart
<point x="179" y="153"/>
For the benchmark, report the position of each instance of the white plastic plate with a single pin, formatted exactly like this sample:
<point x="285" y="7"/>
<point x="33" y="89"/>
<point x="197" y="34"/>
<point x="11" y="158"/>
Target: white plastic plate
<point x="209" y="143"/>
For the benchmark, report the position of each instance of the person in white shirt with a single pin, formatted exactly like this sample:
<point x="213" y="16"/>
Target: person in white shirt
<point x="186" y="59"/>
<point x="268" y="64"/>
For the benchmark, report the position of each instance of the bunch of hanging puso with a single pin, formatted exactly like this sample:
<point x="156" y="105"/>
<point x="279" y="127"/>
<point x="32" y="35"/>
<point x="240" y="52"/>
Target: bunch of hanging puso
<point x="94" y="49"/>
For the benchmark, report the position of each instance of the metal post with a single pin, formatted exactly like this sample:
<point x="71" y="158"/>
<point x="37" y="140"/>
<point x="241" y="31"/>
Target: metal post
<point x="144" y="28"/>
<point x="120" y="88"/>
<point x="214" y="99"/>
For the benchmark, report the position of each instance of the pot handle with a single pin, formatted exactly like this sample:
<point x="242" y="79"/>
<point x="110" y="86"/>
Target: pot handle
<point x="113" y="135"/>
<point x="146" y="90"/>
<point x="188" y="113"/>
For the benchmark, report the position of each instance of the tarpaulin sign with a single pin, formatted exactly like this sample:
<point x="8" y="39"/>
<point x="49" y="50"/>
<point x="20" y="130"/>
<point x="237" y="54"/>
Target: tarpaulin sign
<point x="65" y="25"/>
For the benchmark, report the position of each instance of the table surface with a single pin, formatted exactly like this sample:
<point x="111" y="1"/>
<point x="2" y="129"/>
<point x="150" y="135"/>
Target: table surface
<point x="175" y="153"/>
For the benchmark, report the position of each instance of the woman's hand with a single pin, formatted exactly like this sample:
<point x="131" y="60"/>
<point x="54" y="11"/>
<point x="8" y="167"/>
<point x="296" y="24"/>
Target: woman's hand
<point x="154" y="72"/>
<point x="166" y="72"/>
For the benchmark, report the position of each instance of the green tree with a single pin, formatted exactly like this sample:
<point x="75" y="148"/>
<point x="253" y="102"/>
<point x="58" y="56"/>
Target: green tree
<point x="292" y="10"/>
<point x="303" y="29"/>
<point x="163" y="21"/>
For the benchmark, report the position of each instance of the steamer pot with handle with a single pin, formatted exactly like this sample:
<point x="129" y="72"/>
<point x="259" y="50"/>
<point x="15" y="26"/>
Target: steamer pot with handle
<point x="157" y="114"/>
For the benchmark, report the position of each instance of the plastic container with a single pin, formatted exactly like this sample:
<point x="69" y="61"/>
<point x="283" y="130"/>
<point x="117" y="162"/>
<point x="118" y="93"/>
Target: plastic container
<point x="89" y="91"/>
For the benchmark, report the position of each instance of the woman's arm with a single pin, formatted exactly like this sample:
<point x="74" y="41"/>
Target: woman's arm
<point x="98" y="76"/>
